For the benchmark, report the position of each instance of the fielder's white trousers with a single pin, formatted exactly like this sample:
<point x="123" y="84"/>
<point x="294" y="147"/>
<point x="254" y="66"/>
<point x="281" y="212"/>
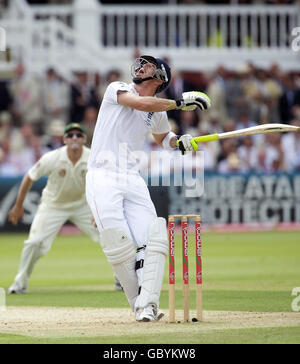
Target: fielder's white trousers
<point x="120" y="201"/>
<point x="45" y="226"/>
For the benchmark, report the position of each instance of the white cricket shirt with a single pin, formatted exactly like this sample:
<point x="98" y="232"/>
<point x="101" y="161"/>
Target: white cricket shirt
<point x="120" y="132"/>
<point x="65" y="187"/>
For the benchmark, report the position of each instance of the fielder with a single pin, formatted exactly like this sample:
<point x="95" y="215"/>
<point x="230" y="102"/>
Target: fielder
<point x="133" y="238"/>
<point x="62" y="199"/>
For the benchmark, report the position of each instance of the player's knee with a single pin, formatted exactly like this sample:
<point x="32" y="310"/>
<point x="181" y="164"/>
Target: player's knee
<point x="32" y="243"/>
<point x="44" y="249"/>
<point x="116" y="245"/>
<point x="40" y="248"/>
<point x="158" y="237"/>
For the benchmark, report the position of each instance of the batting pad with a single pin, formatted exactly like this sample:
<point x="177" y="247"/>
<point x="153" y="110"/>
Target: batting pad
<point x="121" y="254"/>
<point x="154" y="264"/>
<point x="139" y="266"/>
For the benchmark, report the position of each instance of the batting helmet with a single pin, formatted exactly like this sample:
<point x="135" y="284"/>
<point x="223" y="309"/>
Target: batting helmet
<point x="162" y="71"/>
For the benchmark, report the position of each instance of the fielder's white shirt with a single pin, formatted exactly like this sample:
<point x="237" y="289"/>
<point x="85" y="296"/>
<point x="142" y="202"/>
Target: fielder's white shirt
<point x="65" y="187"/>
<point x="120" y="132"/>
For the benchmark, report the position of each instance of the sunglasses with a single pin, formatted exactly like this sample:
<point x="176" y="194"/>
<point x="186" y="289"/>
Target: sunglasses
<point x="77" y="134"/>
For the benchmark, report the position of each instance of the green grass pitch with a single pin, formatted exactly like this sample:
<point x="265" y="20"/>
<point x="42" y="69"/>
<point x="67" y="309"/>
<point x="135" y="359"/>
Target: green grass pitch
<point x="251" y="272"/>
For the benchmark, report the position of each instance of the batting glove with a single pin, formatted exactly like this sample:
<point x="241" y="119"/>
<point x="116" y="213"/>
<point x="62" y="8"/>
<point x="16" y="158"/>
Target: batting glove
<point x="190" y="100"/>
<point x="186" y="144"/>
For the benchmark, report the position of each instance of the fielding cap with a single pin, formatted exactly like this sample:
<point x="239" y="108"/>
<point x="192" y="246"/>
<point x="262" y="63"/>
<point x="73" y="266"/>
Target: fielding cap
<point x="74" y="126"/>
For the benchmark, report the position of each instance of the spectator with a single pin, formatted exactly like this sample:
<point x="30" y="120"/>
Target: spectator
<point x="188" y="122"/>
<point x="276" y="74"/>
<point x="295" y="113"/>
<point x="230" y="125"/>
<point x="229" y="160"/>
<point x="55" y="135"/>
<point x="16" y="163"/>
<point x="32" y="147"/>
<point x="211" y="125"/>
<point x="8" y="131"/>
<point x="217" y="92"/>
<point x="290" y="143"/>
<point x="56" y="97"/>
<point x="232" y="164"/>
<point x="248" y="153"/>
<point x="112" y="76"/>
<point x="235" y="97"/>
<point x="273" y="92"/>
<point x="262" y="92"/>
<point x="210" y="152"/>
<point x="270" y="155"/>
<point x="33" y="152"/>
<point x="27" y="101"/>
<point x="28" y="133"/>
<point x="289" y="98"/>
<point x="177" y="86"/>
<point x="5" y="97"/>
<point x="89" y="122"/>
<point x="10" y="162"/>
<point x="261" y="165"/>
<point x="243" y="122"/>
<point x="83" y="95"/>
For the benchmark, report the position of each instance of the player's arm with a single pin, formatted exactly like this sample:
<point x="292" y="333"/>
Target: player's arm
<point x="170" y="141"/>
<point x="189" y="101"/>
<point x="166" y="140"/>
<point x="145" y="103"/>
<point x="17" y="210"/>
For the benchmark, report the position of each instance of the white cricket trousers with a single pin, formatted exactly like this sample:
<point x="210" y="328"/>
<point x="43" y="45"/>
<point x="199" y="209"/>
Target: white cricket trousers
<point x="45" y="226"/>
<point x="120" y="201"/>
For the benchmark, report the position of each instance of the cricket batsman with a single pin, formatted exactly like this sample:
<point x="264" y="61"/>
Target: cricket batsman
<point x="133" y="237"/>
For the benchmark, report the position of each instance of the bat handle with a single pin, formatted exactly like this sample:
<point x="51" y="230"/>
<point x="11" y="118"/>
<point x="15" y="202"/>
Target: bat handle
<point x="199" y="139"/>
<point x="206" y="138"/>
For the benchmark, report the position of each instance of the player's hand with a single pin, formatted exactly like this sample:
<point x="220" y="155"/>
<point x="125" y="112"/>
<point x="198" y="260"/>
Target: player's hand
<point x="15" y="214"/>
<point x="193" y="99"/>
<point x="186" y="144"/>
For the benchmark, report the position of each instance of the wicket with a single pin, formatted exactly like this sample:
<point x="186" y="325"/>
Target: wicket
<point x="185" y="266"/>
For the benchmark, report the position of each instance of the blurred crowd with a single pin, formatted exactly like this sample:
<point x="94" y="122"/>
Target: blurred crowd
<point x="34" y="111"/>
<point x="241" y="98"/>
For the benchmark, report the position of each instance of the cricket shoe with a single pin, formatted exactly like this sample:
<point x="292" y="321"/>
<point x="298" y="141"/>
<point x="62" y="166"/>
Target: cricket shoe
<point x="14" y="289"/>
<point x="149" y="313"/>
<point x="159" y="315"/>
